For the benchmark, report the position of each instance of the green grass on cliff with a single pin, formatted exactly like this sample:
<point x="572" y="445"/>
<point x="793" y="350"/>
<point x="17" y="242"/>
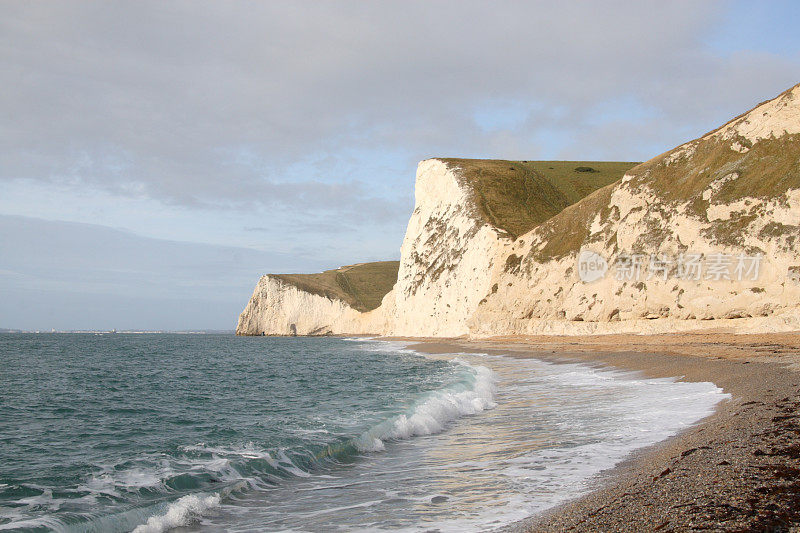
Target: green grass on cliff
<point x="517" y="196"/>
<point x="513" y="196"/>
<point x="361" y="286"/>
<point x="765" y="171"/>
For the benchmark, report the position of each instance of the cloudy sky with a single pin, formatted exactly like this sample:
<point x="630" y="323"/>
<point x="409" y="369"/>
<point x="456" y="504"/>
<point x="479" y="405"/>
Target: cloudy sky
<point x="157" y="157"/>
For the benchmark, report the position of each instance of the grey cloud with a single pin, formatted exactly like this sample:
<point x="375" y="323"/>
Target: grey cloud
<point x="308" y="118"/>
<point x="200" y="103"/>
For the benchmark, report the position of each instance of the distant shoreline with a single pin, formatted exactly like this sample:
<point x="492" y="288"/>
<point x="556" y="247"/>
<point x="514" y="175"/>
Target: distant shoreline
<point x="122" y="332"/>
<point x="735" y="470"/>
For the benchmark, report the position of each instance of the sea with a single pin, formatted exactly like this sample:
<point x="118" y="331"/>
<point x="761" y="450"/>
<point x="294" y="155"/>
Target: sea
<point x="163" y="432"/>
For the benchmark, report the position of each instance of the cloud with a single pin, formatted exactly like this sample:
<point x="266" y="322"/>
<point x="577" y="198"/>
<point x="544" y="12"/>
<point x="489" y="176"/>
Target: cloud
<point x="200" y="103"/>
<point x="299" y="124"/>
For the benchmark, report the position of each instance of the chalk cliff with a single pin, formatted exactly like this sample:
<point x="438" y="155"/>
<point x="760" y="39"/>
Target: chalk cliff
<point x="334" y="301"/>
<point x="446" y="257"/>
<point x="703" y="236"/>
<point x="712" y="227"/>
<point x="466" y="211"/>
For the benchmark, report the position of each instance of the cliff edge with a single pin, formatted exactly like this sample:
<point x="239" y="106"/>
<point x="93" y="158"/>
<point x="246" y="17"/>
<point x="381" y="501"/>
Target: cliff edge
<point x="703" y="236"/>
<point x="317" y="304"/>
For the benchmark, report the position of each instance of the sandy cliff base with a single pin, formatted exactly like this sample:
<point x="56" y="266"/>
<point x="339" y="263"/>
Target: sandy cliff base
<point x="739" y="470"/>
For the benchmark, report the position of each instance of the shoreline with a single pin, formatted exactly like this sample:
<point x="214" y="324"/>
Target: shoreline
<point x="736" y="470"/>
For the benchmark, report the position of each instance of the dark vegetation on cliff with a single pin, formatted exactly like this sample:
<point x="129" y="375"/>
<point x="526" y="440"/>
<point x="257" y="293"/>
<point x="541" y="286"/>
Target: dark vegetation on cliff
<point x="517" y="196"/>
<point x="513" y="196"/>
<point x="729" y="169"/>
<point x="360" y="286"/>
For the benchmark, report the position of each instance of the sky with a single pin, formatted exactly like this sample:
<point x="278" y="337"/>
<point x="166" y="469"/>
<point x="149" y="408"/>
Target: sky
<point x="157" y="157"/>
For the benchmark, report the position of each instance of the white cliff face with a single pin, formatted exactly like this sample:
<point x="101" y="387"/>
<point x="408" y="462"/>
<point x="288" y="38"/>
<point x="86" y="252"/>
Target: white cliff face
<point x="549" y="297"/>
<point x="774" y="118"/>
<point x="278" y="308"/>
<point x="543" y="293"/>
<point x="459" y="275"/>
<point x="446" y="258"/>
<point x="445" y="268"/>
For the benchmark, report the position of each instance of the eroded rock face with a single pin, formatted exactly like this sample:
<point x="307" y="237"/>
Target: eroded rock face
<point x="445" y="269"/>
<point x="734" y="192"/>
<point x="277" y="308"/>
<point x="547" y="295"/>
<point x="447" y="257"/>
<point x="711" y="198"/>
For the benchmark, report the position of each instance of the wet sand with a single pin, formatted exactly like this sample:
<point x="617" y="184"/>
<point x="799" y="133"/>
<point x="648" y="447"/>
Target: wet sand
<point x="737" y="470"/>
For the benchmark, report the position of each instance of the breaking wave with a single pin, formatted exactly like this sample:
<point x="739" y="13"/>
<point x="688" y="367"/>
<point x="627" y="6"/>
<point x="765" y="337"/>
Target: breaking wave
<point x="161" y="491"/>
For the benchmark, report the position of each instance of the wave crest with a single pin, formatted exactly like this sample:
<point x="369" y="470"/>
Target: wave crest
<point x="434" y="412"/>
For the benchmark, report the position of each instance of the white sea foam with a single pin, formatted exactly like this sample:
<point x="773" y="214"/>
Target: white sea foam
<point x="378" y="345"/>
<point x="433" y="413"/>
<point x="153" y="471"/>
<point x="248" y="451"/>
<point x="556" y="426"/>
<point x="472" y="394"/>
<point x="277" y="459"/>
<point x="182" y="512"/>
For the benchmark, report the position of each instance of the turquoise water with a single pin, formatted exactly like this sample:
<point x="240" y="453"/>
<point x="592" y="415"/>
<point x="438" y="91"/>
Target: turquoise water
<point x="223" y="433"/>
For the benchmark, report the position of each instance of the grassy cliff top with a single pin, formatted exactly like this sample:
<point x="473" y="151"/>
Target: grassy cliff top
<point x="513" y="196"/>
<point x="709" y="169"/>
<point x="360" y="286"/>
<point x="517" y="196"/>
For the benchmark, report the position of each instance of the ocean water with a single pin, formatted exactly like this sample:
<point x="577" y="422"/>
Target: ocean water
<point x="150" y="433"/>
